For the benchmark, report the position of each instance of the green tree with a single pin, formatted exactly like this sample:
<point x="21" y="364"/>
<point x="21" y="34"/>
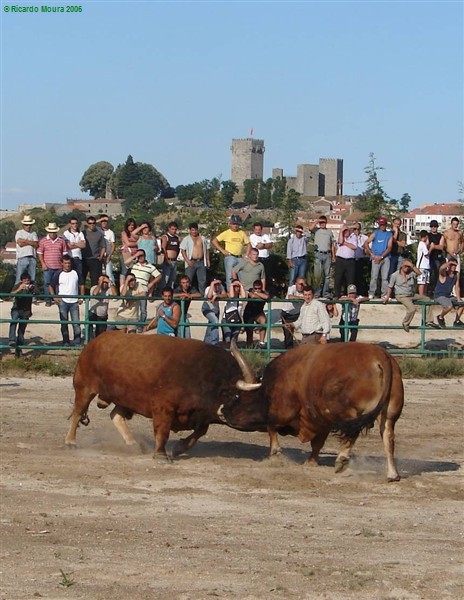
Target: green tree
<point x="7" y="232"/>
<point x="404" y="203"/>
<point x="278" y="192"/>
<point x="287" y="212"/>
<point x="250" y="189"/>
<point x="152" y="177"/>
<point x="374" y="201"/>
<point x="96" y="178"/>
<point x="127" y="176"/>
<point x="228" y="190"/>
<point x="265" y="194"/>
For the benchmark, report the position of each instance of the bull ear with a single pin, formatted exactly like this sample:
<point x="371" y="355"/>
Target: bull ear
<point x="248" y="374"/>
<point x="247" y="387"/>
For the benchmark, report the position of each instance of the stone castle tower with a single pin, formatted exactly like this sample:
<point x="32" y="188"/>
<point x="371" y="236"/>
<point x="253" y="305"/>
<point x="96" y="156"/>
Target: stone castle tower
<point x="247" y="160"/>
<point x="330" y="176"/>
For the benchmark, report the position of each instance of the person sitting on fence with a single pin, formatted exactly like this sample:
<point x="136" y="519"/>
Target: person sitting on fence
<point x="21" y="310"/>
<point x="291" y="310"/>
<point x="448" y="278"/>
<point x="98" y="305"/>
<point x="167" y="315"/>
<point x="254" y="313"/>
<point x="183" y="295"/>
<point x="210" y="309"/>
<point x="353" y="313"/>
<point x="233" y="311"/>
<point x="403" y="282"/>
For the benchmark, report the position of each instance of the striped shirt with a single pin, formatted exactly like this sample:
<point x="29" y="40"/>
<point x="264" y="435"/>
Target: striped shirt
<point x="144" y="273"/>
<point x="52" y="251"/>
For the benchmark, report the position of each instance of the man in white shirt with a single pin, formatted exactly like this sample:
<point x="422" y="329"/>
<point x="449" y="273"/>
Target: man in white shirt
<point x="26" y="246"/>
<point x="262" y="242"/>
<point x="291" y="310"/>
<point x="313" y="322"/>
<point x="66" y="283"/>
<point x="75" y="241"/>
<point x="110" y="243"/>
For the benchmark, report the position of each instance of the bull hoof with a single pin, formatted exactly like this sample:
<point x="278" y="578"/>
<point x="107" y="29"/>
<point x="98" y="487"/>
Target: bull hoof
<point x="392" y="479"/>
<point x="341" y="463"/>
<point x="311" y="462"/>
<point x="162" y="458"/>
<point x="102" y="403"/>
<point x="70" y="445"/>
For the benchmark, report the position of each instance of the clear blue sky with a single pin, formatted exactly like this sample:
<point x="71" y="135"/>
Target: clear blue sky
<point x="173" y="82"/>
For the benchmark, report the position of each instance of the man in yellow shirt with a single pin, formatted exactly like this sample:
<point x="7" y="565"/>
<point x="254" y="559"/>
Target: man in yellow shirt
<point x="234" y="239"/>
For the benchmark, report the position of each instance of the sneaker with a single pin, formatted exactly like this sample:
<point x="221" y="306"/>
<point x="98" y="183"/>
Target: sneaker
<point x="76" y="342"/>
<point x="48" y="303"/>
<point x="406" y="327"/>
<point x="371" y="296"/>
<point x="432" y="324"/>
<point x="262" y="345"/>
<point x="441" y="322"/>
<point x="458" y="323"/>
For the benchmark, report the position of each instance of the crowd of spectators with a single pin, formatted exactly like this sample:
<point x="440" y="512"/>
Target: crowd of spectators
<point x="363" y="267"/>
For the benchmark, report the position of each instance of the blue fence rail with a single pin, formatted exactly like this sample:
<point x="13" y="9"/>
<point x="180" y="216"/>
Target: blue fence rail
<point x="270" y="326"/>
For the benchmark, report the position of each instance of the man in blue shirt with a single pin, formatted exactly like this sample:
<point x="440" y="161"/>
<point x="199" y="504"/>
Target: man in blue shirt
<point x="378" y="246"/>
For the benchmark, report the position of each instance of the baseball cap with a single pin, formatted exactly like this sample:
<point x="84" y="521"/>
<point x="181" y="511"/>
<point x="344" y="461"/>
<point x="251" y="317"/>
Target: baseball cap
<point x="433" y="223"/>
<point x="352" y="289"/>
<point x="382" y="221"/>
<point x="235" y="219"/>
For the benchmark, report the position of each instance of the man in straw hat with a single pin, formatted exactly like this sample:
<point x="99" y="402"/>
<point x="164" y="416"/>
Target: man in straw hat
<point x="50" y="252"/>
<point x="26" y="247"/>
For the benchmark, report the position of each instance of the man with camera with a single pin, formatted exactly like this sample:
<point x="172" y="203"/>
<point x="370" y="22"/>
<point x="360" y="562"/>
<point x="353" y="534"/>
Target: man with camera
<point x="21" y="310"/>
<point x="98" y="305"/>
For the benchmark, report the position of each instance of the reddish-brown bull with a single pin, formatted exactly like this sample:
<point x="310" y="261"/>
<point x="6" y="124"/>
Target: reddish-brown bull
<point x="311" y="391"/>
<point x="177" y="383"/>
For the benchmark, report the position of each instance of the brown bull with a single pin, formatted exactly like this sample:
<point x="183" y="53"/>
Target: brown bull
<point x="311" y="391"/>
<point x="179" y="384"/>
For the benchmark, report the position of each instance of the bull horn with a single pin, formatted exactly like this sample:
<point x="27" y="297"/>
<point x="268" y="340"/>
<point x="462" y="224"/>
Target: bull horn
<point x="247" y="387"/>
<point x="248" y="374"/>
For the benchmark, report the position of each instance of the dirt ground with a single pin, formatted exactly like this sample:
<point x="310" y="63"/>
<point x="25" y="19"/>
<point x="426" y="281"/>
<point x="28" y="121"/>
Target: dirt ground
<point x="224" y="521"/>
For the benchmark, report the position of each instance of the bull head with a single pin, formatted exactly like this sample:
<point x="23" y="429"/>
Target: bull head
<point x="248" y="383"/>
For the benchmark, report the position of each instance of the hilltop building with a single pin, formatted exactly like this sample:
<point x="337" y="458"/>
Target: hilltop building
<point x="247" y="160"/>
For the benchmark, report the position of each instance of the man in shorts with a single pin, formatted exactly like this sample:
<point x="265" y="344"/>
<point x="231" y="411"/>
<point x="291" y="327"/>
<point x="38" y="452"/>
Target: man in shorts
<point x="448" y="278"/>
<point x="254" y="313"/>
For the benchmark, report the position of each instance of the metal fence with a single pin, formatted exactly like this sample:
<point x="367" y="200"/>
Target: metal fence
<point x="273" y="323"/>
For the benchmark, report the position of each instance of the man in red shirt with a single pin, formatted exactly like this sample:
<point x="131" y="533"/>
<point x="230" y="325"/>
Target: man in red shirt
<point x="50" y="252"/>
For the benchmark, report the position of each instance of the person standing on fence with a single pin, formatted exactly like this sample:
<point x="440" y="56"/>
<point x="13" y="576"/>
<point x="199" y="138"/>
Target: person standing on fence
<point x="448" y="279"/>
<point x="423" y="263"/>
<point x="234" y="240"/>
<point x="353" y="313"/>
<point x="262" y="242"/>
<point x="403" y="283"/>
<point x="324" y="247"/>
<point x="314" y="321"/>
<point x="195" y="252"/>
<point x="66" y="283"/>
<point x="51" y="250"/>
<point x="454" y="242"/>
<point x="183" y="295"/>
<point x="361" y="261"/>
<point x="21" y="309"/>
<point x="110" y="245"/>
<point x="344" y="261"/>
<point x="98" y="305"/>
<point x="170" y="244"/>
<point x="26" y="248"/>
<point x="399" y="243"/>
<point x="297" y="255"/>
<point x="75" y="242"/>
<point x="436" y="246"/>
<point x="378" y="246"/>
<point x="94" y="252"/>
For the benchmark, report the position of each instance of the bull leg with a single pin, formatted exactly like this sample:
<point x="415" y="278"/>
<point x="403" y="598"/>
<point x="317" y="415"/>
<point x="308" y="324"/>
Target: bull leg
<point x="161" y="430"/>
<point x="316" y="446"/>
<point x="186" y="443"/>
<point x="119" y="421"/>
<point x="275" y="449"/>
<point x="343" y="458"/>
<point x="387" y="432"/>
<point x="82" y="401"/>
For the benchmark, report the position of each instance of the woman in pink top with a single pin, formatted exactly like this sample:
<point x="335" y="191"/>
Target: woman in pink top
<point x="129" y="241"/>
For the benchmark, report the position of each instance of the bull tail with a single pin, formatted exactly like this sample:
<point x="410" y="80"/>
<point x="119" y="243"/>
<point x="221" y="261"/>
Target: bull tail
<point x="351" y="429"/>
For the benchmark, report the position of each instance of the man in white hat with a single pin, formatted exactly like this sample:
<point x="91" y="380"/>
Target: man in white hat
<point x="51" y="250"/>
<point x="26" y="247"/>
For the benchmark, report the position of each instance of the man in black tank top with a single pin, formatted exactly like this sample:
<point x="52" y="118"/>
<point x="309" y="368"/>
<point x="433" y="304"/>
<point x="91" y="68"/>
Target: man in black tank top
<point x="436" y="242"/>
<point x="170" y="245"/>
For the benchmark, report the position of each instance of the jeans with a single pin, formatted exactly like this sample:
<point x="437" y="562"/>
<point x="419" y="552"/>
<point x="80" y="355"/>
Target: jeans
<point x="67" y="310"/>
<point x="382" y="267"/>
<point x="200" y="270"/>
<point x="15" y="315"/>
<point x="143" y="311"/>
<point x="47" y="279"/>
<point x="27" y="264"/>
<point x="109" y="272"/>
<point x="212" y="332"/>
<point x="322" y="273"/>
<point x="298" y="270"/>
<point x="352" y="333"/>
<point x="169" y="273"/>
<point x="396" y="260"/>
<point x="229" y="263"/>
